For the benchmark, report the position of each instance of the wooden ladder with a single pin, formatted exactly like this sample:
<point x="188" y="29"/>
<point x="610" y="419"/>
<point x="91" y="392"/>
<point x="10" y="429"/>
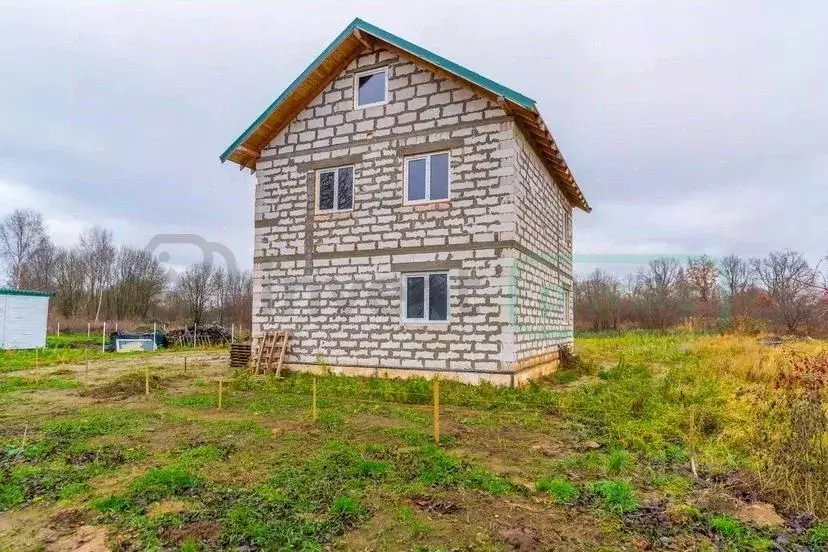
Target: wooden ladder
<point x="273" y="347"/>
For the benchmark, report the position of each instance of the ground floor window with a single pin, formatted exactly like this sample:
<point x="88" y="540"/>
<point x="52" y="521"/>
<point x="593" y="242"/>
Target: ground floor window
<point x="425" y="297"/>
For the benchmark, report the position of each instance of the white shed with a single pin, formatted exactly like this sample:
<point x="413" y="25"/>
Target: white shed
<point x="23" y="318"/>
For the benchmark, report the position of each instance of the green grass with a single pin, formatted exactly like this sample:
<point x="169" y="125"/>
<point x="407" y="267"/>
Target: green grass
<point x="737" y="534"/>
<point x="818" y="534"/>
<point x="619" y="462"/>
<point x="95" y="422"/>
<point x="267" y="477"/>
<point x="10" y="384"/>
<point x="615" y="496"/>
<point x="561" y="490"/>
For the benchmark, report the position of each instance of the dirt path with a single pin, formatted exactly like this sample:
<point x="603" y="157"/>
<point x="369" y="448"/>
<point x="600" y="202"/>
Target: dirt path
<point x="208" y="363"/>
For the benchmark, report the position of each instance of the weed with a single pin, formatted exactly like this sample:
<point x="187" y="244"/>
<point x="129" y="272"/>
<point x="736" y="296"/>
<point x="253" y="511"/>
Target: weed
<point x="561" y="490"/>
<point x="726" y="526"/>
<point x="162" y="483"/>
<point x="616" y="496"/>
<point x="619" y="462"/>
<point x="10" y="384"/>
<point x="415" y="525"/>
<point x="818" y="535"/>
<point x="739" y="535"/>
<point x="92" y="423"/>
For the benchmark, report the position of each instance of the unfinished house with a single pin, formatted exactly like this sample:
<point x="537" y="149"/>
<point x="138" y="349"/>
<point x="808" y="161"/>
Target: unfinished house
<point x="412" y="218"/>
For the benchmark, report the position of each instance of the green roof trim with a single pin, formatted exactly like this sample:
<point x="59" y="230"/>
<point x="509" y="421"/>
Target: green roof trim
<point x="401" y="43"/>
<point x="26" y="292"/>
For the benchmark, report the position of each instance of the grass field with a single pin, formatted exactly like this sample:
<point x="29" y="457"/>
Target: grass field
<point x="599" y="457"/>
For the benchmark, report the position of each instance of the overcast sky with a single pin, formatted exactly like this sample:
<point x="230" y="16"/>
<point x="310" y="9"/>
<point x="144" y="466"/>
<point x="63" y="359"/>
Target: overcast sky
<point x="692" y="127"/>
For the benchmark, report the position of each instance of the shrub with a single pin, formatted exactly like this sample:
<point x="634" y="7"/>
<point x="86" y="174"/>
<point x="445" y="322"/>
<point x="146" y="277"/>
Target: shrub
<point x="561" y="490"/>
<point x="617" y="496"/>
<point x="793" y="434"/>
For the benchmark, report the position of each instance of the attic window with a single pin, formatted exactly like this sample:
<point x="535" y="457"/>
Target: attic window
<point x="370" y="88"/>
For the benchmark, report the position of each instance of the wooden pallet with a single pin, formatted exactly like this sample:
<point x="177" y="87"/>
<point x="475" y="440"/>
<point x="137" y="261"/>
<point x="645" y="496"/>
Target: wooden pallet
<point x="239" y="355"/>
<point x="271" y="353"/>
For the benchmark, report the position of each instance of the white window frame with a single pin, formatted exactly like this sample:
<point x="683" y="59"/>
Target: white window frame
<point x="384" y="71"/>
<point x="426" y="297"/>
<point x="567" y="306"/>
<point x="335" y="170"/>
<point x="427" y="157"/>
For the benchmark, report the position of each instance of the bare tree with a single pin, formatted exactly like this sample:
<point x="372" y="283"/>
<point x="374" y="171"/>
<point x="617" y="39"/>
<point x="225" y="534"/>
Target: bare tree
<point x="598" y="300"/>
<point x="195" y="290"/>
<point x="70" y="281"/>
<point x="661" y="286"/>
<point x="701" y="275"/>
<point x="38" y="271"/>
<point x="789" y="282"/>
<point x="20" y="234"/>
<point x="99" y="254"/>
<point x="736" y="275"/>
<point x="139" y="280"/>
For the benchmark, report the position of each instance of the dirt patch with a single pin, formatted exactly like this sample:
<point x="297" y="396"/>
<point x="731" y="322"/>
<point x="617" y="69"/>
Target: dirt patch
<point x="521" y="537"/>
<point x="62" y="372"/>
<point x="66" y="521"/>
<point x="168" y="507"/>
<point x="760" y="514"/>
<point x="86" y="538"/>
<point x="202" y="531"/>
<point x="436" y="505"/>
<point x="128" y="385"/>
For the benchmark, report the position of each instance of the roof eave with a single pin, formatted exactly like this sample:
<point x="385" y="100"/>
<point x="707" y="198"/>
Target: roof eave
<point x="521" y="107"/>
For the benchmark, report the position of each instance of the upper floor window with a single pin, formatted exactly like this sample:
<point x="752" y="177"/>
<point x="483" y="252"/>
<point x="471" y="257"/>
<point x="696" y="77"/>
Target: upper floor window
<point x="335" y="189"/>
<point x="370" y="88"/>
<point x="427" y="177"/>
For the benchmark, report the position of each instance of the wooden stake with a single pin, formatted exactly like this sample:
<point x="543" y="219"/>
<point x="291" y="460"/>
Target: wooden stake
<point x="103" y="339"/>
<point x="88" y="330"/>
<point x="58" y="330"/>
<point x="146" y="382"/>
<point x="185" y="365"/>
<point x="313" y="412"/>
<point x="219" y="397"/>
<point x="435" y="389"/>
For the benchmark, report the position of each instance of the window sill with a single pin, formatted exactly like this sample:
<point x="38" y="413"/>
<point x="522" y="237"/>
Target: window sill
<point x="425" y="325"/>
<point x="331" y="214"/>
<point x="368" y="106"/>
<point x="432" y="203"/>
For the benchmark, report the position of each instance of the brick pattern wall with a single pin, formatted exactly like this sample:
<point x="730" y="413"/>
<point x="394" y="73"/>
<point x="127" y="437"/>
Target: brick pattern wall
<point x="330" y="277"/>
<point x="543" y="277"/>
<point x="348" y="312"/>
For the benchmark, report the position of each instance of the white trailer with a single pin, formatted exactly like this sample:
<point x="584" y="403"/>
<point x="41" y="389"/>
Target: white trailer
<point x="23" y="318"/>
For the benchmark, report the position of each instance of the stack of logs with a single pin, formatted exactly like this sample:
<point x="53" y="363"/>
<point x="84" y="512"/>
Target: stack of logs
<point x="207" y="335"/>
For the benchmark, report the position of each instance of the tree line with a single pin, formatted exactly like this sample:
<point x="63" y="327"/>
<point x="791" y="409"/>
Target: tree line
<point x="97" y="280"/>
<point x="781" y="292"/>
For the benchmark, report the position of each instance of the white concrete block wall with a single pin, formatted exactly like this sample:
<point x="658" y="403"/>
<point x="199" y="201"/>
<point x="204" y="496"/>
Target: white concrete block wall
<point x="330" y="277"/>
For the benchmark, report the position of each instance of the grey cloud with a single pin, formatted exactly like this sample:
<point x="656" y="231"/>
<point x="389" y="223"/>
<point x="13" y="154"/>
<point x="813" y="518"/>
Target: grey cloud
<point x="691" y="126"/>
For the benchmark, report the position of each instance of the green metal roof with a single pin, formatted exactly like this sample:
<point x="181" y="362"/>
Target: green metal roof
<point x="26" y="292"/>
<point x="401" y="43"/>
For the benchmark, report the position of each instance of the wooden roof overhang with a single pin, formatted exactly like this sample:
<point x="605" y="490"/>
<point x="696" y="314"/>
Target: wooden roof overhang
<point x="360" y="36"/>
